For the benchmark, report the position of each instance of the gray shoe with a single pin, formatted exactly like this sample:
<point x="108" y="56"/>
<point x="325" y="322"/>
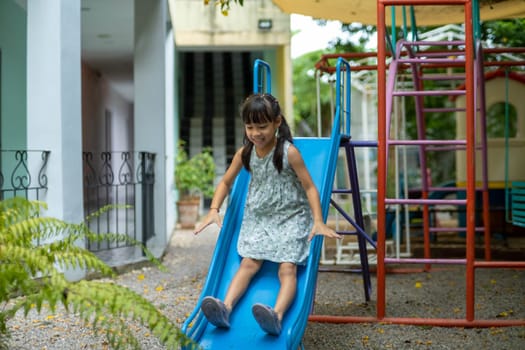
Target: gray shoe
<point x="267" y="319"/>
<point x="216" y="312"/>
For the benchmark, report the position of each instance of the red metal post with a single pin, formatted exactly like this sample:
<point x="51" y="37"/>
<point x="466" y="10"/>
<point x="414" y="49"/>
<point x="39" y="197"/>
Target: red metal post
<point x="471" y="161"/>
<point x="381" y="159"/>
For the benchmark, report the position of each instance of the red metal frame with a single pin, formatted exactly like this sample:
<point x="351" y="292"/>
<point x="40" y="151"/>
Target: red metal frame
<point x="382" y="144"/>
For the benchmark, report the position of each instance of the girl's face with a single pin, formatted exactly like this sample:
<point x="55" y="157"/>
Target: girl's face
<point x="262" y="135"/>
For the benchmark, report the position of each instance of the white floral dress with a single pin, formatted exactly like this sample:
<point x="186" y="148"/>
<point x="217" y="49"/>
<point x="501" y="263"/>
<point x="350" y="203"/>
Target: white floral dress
<point x="277" y="217"/>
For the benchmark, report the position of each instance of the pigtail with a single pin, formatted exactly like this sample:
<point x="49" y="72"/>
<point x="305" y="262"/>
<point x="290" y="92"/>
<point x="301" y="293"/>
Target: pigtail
<point x="283" y="134"/>
<point x="246" y="153"/>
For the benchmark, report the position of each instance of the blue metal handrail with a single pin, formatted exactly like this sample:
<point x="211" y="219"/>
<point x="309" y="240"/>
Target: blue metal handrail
<point x="258" y="82"/>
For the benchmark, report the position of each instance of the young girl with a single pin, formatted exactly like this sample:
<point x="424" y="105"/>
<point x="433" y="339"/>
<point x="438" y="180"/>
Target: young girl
<point x="282" y="212"/>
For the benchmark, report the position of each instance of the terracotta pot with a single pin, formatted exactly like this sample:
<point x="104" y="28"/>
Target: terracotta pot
<point x="188" y="210"/>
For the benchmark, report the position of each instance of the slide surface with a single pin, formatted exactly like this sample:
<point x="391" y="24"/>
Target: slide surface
<point x="320" y="156"/>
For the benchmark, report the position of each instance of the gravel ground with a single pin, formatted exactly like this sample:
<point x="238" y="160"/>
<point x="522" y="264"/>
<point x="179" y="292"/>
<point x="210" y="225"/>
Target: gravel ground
<point x="436" y="294"/>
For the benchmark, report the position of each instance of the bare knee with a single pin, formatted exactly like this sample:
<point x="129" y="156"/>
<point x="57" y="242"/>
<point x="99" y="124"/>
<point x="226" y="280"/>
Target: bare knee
<point x="250" y="266"/>
<point x="287" y="271"/>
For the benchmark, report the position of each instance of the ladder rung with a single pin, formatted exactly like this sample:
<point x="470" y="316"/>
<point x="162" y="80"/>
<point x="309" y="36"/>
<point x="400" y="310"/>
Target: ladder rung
<point x="425" y="201"/>
<point x="427" y="142"/>
<point x="428" y="93"/>
<point x="454" y="229"/>
<point x="425" y="261"/>
<point x="445" y="229"/>
<point x="447" y="54"/>
<point x="442" y="77"/>
<point x="347" y="141"/>
<point x="434" y="43"/>
<point x="447" y="109"/>
<point x="451" y="148"/>
<point x="431" y="60"/>
<point x="363" y="143"/>
<point x="451" y="189"/>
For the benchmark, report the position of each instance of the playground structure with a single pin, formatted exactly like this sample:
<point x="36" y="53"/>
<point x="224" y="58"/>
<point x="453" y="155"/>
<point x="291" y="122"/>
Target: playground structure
<point x="458" y="69"/>
<point x="504" y="85"/>
<point x="386" y="92"/>
<point x="321" y="157"/>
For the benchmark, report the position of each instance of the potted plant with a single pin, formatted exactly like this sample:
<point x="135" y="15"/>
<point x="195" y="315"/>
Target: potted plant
<point x="194" y="179"/>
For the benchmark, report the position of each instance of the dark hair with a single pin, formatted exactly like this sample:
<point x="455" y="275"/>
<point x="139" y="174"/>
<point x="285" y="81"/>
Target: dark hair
<point x="259" y="109"/>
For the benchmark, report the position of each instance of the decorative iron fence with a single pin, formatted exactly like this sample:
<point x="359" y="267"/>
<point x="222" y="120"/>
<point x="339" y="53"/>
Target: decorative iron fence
<point x="23" y="173"/>
<point x="122" y="184"/>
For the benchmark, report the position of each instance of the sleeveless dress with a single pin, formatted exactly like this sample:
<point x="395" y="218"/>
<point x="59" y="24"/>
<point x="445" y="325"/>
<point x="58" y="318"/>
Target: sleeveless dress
<point x="277" y="216"/>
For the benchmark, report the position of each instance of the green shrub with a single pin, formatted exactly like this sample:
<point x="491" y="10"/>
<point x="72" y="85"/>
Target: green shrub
<point x="34" y="252"/>
<point x="195" y="175"/>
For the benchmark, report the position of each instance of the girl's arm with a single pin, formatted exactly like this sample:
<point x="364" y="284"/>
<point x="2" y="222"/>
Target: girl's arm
<point x="221" y="191"/>
<point x="297" y="163"/>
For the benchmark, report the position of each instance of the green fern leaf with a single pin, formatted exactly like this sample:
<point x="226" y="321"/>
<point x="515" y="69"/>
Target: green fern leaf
<point x="34" y="252"/>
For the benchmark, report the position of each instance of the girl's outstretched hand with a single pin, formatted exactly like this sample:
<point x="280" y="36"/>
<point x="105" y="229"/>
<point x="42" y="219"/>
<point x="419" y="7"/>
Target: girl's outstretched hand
<point x="212" y="217"/>
<point x="320" y="228"/>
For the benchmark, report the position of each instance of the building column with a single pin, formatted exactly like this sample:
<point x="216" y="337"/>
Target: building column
<point x="150" y="104"/>
<point x="171" y="132"/>
<point x="54" y="101"/>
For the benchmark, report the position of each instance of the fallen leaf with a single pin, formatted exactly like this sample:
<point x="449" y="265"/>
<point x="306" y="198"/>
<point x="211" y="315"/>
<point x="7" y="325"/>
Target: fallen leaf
<point x="503" y="314"/>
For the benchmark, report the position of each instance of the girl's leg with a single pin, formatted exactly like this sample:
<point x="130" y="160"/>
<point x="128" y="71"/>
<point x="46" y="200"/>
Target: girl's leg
<point x="288" y="279"/>
<point x="241" y="281"/>
<point x="270" y="319"/>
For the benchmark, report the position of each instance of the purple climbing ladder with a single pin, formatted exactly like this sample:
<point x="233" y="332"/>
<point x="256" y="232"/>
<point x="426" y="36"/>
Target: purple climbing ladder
<point x="446" y="61"/>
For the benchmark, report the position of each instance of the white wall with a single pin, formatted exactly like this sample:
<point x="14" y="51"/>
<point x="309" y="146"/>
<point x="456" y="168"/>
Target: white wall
<point x="198" y="25"/>
<point x="496" y="148"/>
<point x="97" y="97"/>
<point x="91" y="110"/>
<point x="150" y="103"/>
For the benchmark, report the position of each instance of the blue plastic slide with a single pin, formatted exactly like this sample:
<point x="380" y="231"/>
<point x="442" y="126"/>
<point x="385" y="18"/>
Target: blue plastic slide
<point x="320" y="156"/>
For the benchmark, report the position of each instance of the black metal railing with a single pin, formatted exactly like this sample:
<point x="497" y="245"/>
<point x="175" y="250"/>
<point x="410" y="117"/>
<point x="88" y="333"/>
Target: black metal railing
<point x="23" y="173"/>
<point x="122" y="182"/>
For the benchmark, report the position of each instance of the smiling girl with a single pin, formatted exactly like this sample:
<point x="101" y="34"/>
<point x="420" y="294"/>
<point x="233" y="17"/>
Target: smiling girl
<point x="282" y="212"/>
